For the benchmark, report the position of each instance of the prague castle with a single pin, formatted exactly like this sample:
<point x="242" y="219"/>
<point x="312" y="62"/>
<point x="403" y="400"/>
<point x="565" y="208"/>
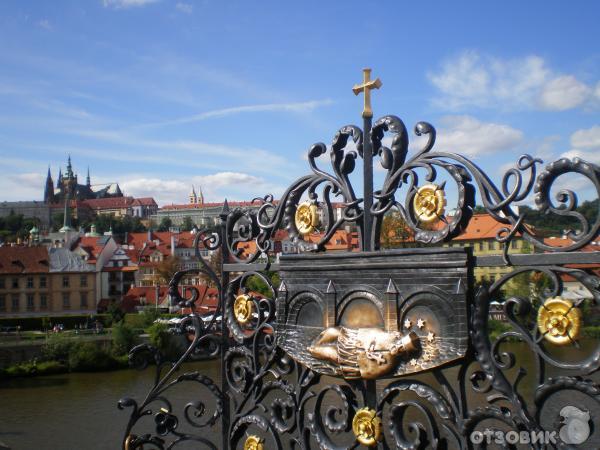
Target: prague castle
<point x="67" y="186"/>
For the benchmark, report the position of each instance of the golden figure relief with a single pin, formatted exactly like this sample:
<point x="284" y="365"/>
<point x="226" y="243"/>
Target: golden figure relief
<point x="367" y="353"/>
<point x="306" y="218"/>
<point x="366" y="427"/>
<point x="253" y="443"/>
<point x="429" y="203"/>
<point x="559" y="321"/>
<point x="243" y="308"/>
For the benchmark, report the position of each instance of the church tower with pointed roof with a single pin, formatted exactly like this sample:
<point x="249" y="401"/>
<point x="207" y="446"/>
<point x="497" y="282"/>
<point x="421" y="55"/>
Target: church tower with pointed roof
<point x="49" y="189"/>
<point x="193" y="197"/>
<point x="67" y="186"/>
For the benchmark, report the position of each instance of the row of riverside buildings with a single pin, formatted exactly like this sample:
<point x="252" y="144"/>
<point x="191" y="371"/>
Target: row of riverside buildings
<point x="74" y="272"/>
<point x="89" y="272"/>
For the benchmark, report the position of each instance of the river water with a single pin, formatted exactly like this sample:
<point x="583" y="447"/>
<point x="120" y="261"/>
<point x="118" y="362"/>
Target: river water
<point x="79" y="411"/>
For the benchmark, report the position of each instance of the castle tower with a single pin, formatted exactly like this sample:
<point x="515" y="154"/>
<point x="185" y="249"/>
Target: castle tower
<point x="201" y="197"/>
<point x="193" y="197"/>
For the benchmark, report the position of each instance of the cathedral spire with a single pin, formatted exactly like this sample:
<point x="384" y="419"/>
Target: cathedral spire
<point x="49" y="188"/>
<point x="69" y="168"/>
<point x="59" y="179"/>
<point x="201" y="197"/>
<point x="87" y="180"/>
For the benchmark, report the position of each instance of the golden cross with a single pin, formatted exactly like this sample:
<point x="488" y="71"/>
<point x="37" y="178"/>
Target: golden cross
<point x="366" y="87"/>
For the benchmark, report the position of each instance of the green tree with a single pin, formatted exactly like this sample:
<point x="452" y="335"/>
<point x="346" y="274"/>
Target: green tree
<point x="115" y="313"/>
<point x="161" y="338"/>
<point x="123" y="338"/>
<point x="187" y="224"/>
<point x="395" y="232"/>
<point x="167" y="268"/>
<point x="165" y="224"/>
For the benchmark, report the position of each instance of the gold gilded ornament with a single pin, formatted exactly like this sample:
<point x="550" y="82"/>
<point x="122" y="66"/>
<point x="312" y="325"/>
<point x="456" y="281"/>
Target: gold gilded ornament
<point x="429" y="203"/>
<point x="254" y="443"/>
<point x="306" y="218"/>
<point x="243" y="308"/>
<point x="559" y="321"/>
<point x="366" y="427"/>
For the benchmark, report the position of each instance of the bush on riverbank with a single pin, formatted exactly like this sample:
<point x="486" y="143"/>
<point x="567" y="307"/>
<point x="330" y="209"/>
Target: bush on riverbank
<point x="61" y="354"/>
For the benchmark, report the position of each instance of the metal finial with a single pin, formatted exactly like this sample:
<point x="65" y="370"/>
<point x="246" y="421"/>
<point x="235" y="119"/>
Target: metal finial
<point x="366" y="87"/>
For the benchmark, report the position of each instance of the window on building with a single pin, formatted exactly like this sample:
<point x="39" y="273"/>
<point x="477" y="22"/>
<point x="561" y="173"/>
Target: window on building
<point x="513" y="244"/>
<point x="15" y="302"/>
<point x="83" y="280"/>
<point x="2" y="283"/>
<point x="43" y="282"/>
<point x="29" y="282"/>
<point x="29" y="302"/>
<point x="43" y="301"/>
<point x="83" y="298"/>
<point x="492" y="278"/>
<point x="481" y="246"/>
<point x="492" y="245"/>
<point x="66" y="300"/>
<point x="2" y="302"/>
<point x="15" y="283"/>
<point x="66" y="281"/>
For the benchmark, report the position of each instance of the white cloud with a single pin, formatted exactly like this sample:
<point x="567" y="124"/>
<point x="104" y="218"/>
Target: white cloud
<point x="122" y="4"/>
<point x="185" y="8"/>
<point x="586" y="145"/>
<point x="469" y="136"/>
<point x="45" y="24"/>
<point x="473" y="79"/>
<point x="587" y="138"/>
<point x="562" y="93"/>
<point x="215" y="187"/>
<point x="23" y="187"/>
<point x="299" y="107"/>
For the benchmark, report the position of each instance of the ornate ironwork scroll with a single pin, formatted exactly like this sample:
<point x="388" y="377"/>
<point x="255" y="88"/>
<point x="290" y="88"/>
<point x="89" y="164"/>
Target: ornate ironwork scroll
<point x="389" y="349"/>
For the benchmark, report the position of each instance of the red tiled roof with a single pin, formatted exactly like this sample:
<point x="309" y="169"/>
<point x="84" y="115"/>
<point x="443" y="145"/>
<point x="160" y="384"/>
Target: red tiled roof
<point x="109" y="203"/>
<point x="144" y="201"/>
<point x="565" y="242"/>
<point x="92" y="246"/>
<point x="481" y="226"/>
<point x="21" y="259"/>
<point x="212" y="205"/>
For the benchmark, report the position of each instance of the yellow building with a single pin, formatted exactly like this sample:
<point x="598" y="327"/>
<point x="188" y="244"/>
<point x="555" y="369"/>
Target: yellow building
<point x="36" y="281"/>
<point x="480" y="234"/>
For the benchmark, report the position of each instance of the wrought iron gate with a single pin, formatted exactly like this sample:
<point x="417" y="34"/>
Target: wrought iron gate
<point x="386" y="349"/>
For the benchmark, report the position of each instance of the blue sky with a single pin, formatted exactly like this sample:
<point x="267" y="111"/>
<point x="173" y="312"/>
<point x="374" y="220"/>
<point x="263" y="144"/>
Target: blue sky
<point x="159" y="95"/>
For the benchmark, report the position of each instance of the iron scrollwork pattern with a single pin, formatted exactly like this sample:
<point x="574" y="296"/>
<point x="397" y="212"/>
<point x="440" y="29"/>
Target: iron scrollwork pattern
<point x="200" y="414"/>
<point x="275" y="398"/>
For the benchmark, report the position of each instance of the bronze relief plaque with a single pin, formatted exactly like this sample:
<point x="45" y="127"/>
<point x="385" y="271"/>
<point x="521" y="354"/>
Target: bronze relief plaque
<point x="374" y="314"/>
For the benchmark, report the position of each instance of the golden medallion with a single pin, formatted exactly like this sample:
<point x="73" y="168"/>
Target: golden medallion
<point x="366" y="427"/>
<point x="306" y="218"/>
<point x="429" y="203"/>
<point x="243" y="308"/>
<point x="559" y="321"/>
<point x="254" y="443"/>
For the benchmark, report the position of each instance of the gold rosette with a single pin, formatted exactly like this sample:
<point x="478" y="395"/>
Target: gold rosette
<point x="429" y="203"/>
<point x="366" y="427"/>
<point x="559" y="321"/>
